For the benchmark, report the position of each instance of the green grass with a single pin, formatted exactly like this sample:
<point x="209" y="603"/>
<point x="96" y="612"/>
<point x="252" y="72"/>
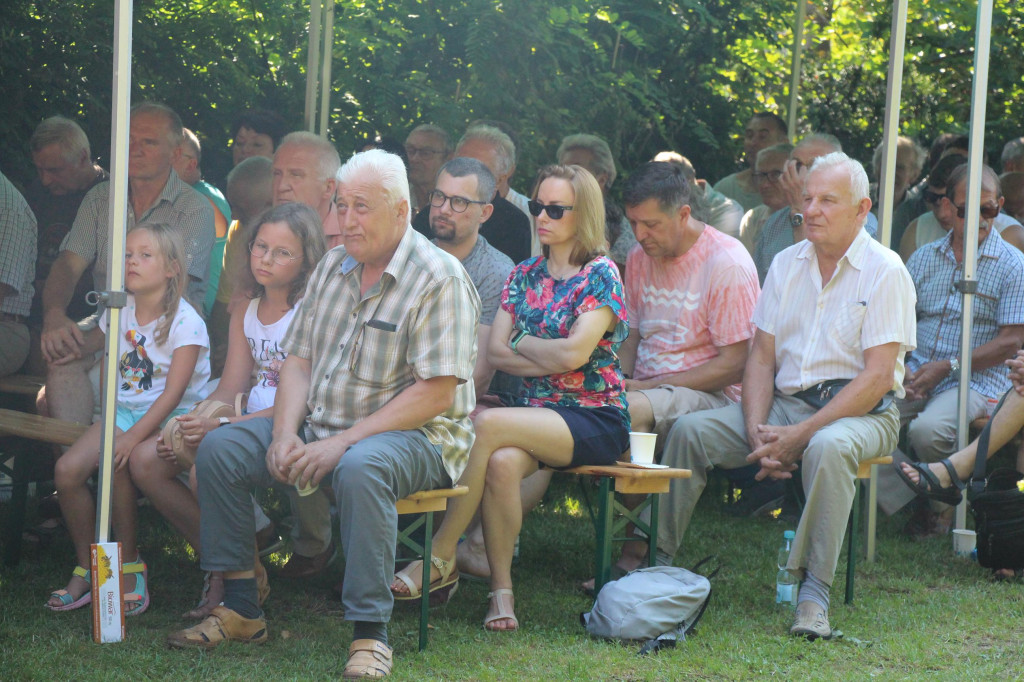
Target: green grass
<point x="920" y="613"/>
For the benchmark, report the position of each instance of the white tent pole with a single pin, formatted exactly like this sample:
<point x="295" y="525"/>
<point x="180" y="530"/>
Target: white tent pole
<point x="313" y="63"/>
<point x="798" y="53"/>
<point x="893" y="95"/>
<point x="975" y="161"/>
<point x="114" y="298"/>
<point x="325" y="71"/>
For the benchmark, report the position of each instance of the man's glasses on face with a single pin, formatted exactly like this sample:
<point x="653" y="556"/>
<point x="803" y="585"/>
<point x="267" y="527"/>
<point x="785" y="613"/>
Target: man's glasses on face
<point x="421" y="152"/>
<point x="767" y="176"/>
<point x="458" y="204"/>
<point x="988" y="211"/>
<point x="931" y="197"/>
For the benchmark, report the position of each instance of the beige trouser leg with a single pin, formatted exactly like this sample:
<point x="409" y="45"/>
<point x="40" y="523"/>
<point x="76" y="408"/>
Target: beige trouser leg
<point x="829" y="473"/>
<point x="668" y="403"/>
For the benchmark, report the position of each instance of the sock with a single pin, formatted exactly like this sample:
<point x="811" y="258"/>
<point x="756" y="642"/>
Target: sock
<point x="242" y="597"/>
<point x="812" y="589"/>
<point x="363" y="629"/>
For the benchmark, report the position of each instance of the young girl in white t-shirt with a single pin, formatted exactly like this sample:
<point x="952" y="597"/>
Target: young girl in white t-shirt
<point x="164" y="365"/>
<point x="285" y="245"/>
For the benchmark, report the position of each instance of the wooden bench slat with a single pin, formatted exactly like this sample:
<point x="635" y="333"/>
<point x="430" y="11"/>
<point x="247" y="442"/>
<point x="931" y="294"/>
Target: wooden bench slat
<point x="21" y="384"/>
<point x="429" y="500"/>
<point x="616" y="471"/>
<point x="34" y="427"/>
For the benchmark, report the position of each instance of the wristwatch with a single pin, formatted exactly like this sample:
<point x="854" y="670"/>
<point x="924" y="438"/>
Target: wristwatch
<point x="516" y="338"/>
<point x="223" y="421"/>
<point x="954" y="367"/>
<point x="796" y="219"/>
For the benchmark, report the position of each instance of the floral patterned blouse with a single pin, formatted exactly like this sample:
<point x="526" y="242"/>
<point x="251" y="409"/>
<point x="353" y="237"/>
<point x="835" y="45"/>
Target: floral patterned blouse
<point x="547" y="308"/>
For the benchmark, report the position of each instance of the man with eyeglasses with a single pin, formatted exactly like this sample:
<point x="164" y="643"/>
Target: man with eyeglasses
<point x="786" y="227"/>
<point x="428" y="147"/>
<point x="459" y="205"/>
<point x="763" y="130"/>
<point x="507" y="229"/>
<point x="767" y="176"/>
<point x="933" y="368"/>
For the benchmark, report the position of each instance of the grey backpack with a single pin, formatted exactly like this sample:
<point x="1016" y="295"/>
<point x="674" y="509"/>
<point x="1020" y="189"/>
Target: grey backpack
<point x="656" y="605"/>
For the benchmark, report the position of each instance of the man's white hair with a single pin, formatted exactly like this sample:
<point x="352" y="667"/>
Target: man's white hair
<point x="853" y="169"/>
<point x="327" y="155"/>
<point x="386" y="168"/>
<point x="501" y="142"/>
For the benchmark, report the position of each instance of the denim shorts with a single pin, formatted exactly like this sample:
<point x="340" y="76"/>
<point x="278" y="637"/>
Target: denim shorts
<point x="127" y="418"/>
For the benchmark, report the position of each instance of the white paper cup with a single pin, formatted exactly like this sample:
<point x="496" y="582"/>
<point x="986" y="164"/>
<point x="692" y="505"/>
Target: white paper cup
<point x="964" y="542"/>
<point x="641" y="447"/>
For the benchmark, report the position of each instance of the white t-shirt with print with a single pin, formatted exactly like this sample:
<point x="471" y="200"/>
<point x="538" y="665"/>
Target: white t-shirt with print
<point x="143" y="364"/>
<point x="267" y="354"/>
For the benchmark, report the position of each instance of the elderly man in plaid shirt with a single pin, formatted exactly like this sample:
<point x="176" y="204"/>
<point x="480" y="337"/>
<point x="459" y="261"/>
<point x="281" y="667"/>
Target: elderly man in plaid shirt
<point x="17" y="272"/>
<point x="374" y="400"/>
<point x="933" y="369"/>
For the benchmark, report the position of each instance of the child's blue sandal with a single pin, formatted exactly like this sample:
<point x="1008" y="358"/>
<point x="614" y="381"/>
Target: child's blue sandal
<point x="68" y="602"/>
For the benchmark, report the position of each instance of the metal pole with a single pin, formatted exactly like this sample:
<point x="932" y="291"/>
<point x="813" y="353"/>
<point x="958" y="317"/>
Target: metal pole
<point x="117" y="212"/>
<point x="313" y="63"/>
<point x="325" y="71"/>
<point x="975" y="161"/>
<point x="893" y="94"/>
<point x="798" y="53"/>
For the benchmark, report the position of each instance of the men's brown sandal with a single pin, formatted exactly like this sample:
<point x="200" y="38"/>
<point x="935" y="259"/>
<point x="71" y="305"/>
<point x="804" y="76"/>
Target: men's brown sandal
<point x="221" y="625"/>
<point x="367" y="658"/>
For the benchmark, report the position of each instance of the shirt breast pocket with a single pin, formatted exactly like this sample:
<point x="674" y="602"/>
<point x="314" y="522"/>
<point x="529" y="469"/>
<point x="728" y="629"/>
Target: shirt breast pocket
<point x="379" y="359"/>
<point x="847" y="324"/>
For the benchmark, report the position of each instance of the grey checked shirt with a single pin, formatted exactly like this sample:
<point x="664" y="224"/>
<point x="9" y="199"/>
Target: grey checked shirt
<point x="17" y="249"/>
<point x="999" y="302"/>
<point x="419" y="320"/>
<point x="178" y="205"/>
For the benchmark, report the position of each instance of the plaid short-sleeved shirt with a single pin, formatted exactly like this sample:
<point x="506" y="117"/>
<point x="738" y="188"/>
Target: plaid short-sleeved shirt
<point x="419" y="320"/>
<point x="999" y="302"/>
<point x="178" y="205"/>
<point x="18" y="251"/>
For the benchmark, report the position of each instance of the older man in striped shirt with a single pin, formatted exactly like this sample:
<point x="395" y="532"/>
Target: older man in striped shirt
<point x="834" y="321"/>
<point x="374" y="399"/>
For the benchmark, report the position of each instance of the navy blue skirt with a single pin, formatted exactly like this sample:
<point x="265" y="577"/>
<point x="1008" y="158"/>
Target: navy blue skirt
<point x="598" y="434"/>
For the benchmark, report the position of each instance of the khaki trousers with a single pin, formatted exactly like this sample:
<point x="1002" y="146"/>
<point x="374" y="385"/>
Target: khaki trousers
<point x="828" y="468"/>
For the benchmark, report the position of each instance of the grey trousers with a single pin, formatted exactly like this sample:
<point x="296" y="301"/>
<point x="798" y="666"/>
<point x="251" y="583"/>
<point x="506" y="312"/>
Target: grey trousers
<point x="713" y="438"/>
<point x="931" y="436"/>
<point x="370" y="477"/>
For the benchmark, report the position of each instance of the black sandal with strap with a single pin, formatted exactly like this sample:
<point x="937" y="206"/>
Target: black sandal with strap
<point x="927" y="485"/>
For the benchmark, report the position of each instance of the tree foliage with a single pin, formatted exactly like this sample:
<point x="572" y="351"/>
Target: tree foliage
<point x="644" y="74"/>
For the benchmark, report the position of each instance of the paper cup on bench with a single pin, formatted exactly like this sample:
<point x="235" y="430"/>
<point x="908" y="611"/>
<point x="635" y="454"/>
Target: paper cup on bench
<point x="641" y="447"/>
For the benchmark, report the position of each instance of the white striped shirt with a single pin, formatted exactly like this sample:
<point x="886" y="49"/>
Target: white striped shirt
<point x="821" y="332"/>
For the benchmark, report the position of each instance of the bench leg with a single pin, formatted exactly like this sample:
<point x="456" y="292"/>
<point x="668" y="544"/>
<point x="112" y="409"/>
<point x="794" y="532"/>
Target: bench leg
<point x="872" y="513"/>
<point x="425" y="590"/>
<point x="603" y="526"/>
<point x="19" y="498"/>
<point x="652" y="537"/>
<point x="851" y="561"/>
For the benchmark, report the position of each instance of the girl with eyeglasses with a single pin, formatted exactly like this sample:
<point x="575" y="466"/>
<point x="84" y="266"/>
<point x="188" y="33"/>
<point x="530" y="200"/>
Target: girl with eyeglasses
<point x="561" y="321"/>
<point x="286" y="244"/>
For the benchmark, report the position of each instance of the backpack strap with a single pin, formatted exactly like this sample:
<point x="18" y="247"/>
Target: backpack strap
<point x="978" y="481"/>
<point x="709" y="557"/>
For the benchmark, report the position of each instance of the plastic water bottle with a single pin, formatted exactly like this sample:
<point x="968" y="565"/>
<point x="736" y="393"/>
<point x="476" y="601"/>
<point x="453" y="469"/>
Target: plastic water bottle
<point x="785" y="582"/>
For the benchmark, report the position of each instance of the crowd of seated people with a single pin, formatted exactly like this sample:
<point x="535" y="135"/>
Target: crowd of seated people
<point x="406" y="320"/>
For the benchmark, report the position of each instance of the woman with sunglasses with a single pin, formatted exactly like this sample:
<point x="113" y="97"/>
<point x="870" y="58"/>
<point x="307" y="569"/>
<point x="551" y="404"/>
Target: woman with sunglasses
<point x="561" y="321"/>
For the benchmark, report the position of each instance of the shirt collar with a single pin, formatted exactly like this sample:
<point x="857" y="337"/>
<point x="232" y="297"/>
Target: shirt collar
<point x="990" y="248"/>
<point x="855" y="255"/>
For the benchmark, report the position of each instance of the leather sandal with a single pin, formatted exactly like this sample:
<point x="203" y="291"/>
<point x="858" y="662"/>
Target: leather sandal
<point x="502" y="613"/>
<point x="410" y="575"/>
<point x="928" y="486"/>
<point x="367" y="658"/>
<point x="69" y="603"/>
<point x="221" y="625"/>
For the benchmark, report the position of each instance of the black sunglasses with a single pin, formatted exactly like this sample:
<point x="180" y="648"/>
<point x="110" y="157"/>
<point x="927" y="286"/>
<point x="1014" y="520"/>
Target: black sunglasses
<point x="932" y="197"/>
<point x="555" y="212"/>
<point x="988" y="211"/>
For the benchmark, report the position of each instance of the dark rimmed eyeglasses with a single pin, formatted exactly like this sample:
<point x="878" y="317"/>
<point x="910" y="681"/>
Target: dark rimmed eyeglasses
<point x="932" y="197"/>
<point x="554" y="211"/>
<point x="458" y="204"/>
<point x="988" y="211"/>
<point x="772" y="176"/>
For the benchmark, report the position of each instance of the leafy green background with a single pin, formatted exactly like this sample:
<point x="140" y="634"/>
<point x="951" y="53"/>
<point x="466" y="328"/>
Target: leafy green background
<point x="645" y="74"/>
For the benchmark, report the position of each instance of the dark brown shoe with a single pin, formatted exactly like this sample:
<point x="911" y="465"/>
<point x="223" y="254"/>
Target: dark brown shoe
<point x="299" y="566"/>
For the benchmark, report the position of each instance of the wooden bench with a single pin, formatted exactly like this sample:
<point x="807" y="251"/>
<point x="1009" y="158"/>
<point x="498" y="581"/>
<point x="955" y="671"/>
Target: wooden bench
<point x="21" y="384"/>
<point x="17" y="432"/>
<point x="628" y="479"/>
<point x="424" y="504"/>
